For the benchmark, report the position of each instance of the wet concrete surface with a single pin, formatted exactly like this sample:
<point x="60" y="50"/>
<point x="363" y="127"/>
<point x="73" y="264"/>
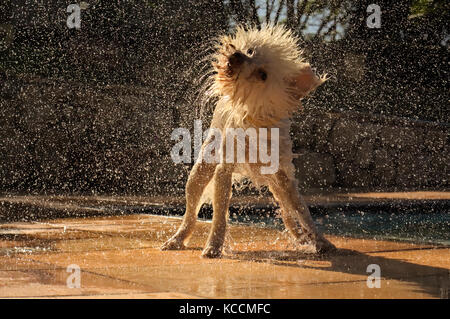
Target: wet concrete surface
<point x="119" y="257"/>
<point x="37" y="207"/>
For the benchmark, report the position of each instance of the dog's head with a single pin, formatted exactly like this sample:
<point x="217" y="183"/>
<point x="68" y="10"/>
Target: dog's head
<point x="263" y="68"/>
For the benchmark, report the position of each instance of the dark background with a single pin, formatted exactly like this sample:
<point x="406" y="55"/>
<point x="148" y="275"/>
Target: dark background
<point x="91" y="110"/>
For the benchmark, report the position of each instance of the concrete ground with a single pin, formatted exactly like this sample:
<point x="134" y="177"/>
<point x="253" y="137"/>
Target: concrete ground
<point x="119" y="257"/>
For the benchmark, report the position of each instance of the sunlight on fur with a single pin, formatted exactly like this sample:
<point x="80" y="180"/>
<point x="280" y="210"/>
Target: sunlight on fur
<point x="260" y="77"/>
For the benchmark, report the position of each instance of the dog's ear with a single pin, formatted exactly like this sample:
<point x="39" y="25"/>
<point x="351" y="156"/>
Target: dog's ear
<point x="305" y="81"/>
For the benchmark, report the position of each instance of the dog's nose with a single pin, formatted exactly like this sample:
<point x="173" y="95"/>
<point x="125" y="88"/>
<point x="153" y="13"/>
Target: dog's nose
<point x="236" y="59"/>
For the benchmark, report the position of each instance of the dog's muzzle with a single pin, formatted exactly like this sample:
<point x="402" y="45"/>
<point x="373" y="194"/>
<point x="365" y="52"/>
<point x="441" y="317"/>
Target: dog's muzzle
<point x="236" y="59"/>
<point x="234" y="62"/>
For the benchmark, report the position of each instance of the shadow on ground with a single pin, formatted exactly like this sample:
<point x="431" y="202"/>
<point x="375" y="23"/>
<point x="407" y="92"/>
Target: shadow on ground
<point x="432" y="280"/>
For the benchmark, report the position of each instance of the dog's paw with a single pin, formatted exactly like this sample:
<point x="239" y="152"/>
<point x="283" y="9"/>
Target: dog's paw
<point x="212" y="252"/>
<point x="173" y="244"/>
<point x="323" y="245"/>
<point x="315" y="244"/>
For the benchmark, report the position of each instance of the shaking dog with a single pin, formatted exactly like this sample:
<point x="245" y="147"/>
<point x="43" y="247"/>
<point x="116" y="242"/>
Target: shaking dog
<point x="259" y="79"/>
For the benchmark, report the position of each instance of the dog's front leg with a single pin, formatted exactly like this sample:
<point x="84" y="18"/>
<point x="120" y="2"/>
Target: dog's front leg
<point x="221" y="199"/>
<point x="199" y="178"/>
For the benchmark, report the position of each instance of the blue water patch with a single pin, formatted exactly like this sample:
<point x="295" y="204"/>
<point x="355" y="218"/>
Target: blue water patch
<point x="416" y="227"/>
<point x="402" y="225"/>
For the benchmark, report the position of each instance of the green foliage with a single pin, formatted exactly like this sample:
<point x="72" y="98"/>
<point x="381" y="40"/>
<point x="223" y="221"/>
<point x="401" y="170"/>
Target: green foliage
<point x="423" y="7"/>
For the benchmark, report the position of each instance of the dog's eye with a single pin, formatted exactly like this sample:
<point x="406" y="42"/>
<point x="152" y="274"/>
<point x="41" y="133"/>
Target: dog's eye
<point x="250" y="51"/>
<point x="262" y="75"/>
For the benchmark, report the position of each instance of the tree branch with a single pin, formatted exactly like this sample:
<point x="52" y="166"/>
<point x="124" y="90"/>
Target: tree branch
<point x="290" y="13"/>
<point x="254" y="10"/>
<point x="277" y="16"/>
<point x="269" y="9"/>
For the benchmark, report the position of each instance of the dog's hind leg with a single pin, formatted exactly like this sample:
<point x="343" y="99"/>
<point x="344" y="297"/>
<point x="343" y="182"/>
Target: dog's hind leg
<point x="221" y="200"/>
<point x="295" y="213"/>
<point x="199" y="178"/>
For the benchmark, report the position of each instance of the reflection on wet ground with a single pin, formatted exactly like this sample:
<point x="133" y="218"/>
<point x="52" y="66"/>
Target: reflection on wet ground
<point x="419" y="216"/>
<point x="118" y="257"/>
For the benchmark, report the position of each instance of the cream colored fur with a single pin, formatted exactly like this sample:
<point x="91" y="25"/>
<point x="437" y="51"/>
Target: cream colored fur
<point x="260" y="77"/>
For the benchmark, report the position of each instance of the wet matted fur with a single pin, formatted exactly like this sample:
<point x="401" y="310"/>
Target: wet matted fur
<point x="260" y="77"/>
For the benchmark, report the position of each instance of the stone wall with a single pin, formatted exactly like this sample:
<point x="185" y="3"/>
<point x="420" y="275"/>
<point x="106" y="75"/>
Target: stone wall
<point x="354" y="150"/>
<point x="61" y="137"/>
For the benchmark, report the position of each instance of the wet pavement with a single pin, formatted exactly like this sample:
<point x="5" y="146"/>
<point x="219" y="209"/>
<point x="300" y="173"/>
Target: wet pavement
<point x="36" y="207"/>
<point x="119" y="257"/>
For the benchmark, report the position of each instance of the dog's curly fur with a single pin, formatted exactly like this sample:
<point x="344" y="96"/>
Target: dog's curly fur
<point x="260" y="76"/>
